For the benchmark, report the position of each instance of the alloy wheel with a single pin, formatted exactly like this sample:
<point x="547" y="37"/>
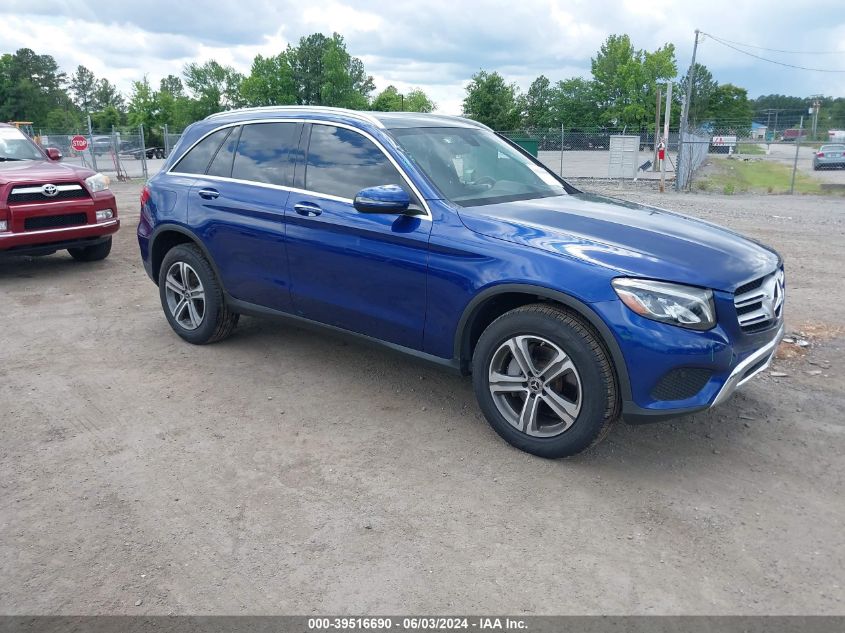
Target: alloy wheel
<point x="535" y="386"/>
<point x="185" y="295"/>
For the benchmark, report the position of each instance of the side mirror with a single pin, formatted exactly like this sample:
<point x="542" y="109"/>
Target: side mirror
<point x="53" y="153"/>
<point x="383" y="199"/>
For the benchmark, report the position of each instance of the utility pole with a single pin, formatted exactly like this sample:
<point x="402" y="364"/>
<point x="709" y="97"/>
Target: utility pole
<point x="685" y="114"/>
<point x="666" y="138"/>
<point x="816" y="107"/>
<point x="656" y="128"/>
<point x="797" y="147"/>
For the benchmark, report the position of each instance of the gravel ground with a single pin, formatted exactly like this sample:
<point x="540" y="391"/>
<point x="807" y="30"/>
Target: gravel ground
<point x="288" y="471"/>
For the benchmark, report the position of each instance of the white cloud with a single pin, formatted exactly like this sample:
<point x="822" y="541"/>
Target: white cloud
<point x="436" y="46"/>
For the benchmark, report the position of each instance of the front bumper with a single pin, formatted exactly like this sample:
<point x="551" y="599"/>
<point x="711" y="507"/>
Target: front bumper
<point x="748" y="368"/>
<point x="671" y="371"/>
<point x="41" y="242"/>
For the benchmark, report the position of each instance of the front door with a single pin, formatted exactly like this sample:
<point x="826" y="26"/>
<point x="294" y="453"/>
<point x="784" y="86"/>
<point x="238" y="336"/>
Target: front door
<point x="360" y="272"/>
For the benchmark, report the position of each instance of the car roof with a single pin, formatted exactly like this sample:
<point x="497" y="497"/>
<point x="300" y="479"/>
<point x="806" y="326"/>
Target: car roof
<point x="384" y="120"/>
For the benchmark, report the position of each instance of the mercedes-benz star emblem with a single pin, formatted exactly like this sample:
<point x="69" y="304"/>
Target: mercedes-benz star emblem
<point x="50" y="190"/>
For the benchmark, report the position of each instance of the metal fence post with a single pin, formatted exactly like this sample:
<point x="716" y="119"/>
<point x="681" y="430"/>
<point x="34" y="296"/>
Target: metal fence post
<point x="561" y="150"/>
<point x="795" y="162"/>
<point x="166" y="142"/>
<point x="91" y="144"/>
<point x="143" y="152"/>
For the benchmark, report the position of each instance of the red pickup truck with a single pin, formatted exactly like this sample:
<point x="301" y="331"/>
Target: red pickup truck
<point x="47" y="206"/>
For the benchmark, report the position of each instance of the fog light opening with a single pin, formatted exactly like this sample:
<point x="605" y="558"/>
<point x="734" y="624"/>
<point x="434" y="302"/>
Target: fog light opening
<point x="104" y="215"/>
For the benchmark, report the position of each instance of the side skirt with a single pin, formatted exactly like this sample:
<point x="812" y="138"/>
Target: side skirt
<point x="252" y="309"/>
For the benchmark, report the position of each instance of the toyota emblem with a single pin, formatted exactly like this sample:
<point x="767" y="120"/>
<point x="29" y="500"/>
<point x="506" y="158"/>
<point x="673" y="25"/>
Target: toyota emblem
<point x="50" y="190"/>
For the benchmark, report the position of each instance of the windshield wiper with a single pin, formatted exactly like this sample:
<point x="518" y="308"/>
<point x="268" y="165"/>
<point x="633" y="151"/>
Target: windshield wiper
<point x="4" y="158"/>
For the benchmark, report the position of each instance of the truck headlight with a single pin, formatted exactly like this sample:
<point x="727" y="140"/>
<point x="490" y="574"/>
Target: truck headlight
<point x="97" y="182"/>
<point x="684" y="306"/>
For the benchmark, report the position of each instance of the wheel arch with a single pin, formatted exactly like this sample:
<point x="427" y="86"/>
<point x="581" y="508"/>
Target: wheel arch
<point x="492" y="302"/>
<point x="167" y="236"/>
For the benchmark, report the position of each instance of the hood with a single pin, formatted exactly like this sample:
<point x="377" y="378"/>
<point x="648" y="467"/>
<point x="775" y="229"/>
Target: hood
<point x="631" y="238"/>
<point x="40" y="171"/>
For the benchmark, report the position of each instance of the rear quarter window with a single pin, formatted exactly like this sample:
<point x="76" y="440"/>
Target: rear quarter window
<point x="197" y="159"/>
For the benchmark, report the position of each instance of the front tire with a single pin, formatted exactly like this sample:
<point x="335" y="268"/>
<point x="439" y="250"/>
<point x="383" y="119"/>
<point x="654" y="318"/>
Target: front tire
<point x="192" y="297"/>
<point x="544" y="381"/>
<point x="93" y="253"/>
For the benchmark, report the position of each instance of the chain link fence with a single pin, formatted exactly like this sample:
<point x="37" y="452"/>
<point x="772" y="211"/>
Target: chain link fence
<point x="595" y="152"/>
<point x="121" y="154"/>
<point x="724" y="157"/>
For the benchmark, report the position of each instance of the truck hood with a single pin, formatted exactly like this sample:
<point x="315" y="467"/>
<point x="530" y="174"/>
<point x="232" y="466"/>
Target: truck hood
<point x="634" y="239"/>
<point x="40" y="171"/>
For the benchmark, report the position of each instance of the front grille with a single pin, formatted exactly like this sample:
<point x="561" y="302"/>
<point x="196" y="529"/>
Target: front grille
<point x="35" y="193"/>
<point x="54" y="221"/>
<point x="681" y="383"/>
<point x="759" y="303"/>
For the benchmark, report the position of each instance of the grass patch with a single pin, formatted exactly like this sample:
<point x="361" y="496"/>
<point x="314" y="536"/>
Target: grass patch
<point x="737" y="176"/>
<point x="750" y="149"/>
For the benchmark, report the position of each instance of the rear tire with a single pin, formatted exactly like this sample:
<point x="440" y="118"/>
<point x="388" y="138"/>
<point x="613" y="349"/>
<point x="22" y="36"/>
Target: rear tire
<point x="192" y="297"/>
<point x="544" y="381"/>
<point x="91" y="253"/>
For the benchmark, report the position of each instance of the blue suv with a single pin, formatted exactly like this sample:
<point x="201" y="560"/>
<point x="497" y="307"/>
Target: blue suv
<point x="437" y="237"/>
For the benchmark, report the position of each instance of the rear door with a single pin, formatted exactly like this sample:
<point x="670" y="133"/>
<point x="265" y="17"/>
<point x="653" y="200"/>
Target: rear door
<point x="238" y="209"/>
<point x="361" y="272"/>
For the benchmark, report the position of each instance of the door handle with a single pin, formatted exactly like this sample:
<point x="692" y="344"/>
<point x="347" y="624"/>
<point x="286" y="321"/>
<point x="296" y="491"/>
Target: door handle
<point x="208" y="194"/>
<point x="307" y="209"/>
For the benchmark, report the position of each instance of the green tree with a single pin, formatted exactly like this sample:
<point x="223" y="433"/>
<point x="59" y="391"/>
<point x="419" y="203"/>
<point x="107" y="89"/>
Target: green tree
<point x="388" y="100"/>
<point x="729" y="105"/>
<point x="625" y="79"/>
<point x="492" y="101"/>
<point x="215" y="87"/>
<point x="391" y="100"/>
<point x="107" y="95"/>
<point x="144" y="109"/>
<point x="537" y="104"/>
<point x="573" y="104"/>
<point x="418" y="101"/>
<point x="83" y="87"/>
<point x="172" y="85"/>
<point x="324" y="73"/>
<point x="31" y="86"/>
<point x="703" y="88"/>
<point x="270" y="82"/>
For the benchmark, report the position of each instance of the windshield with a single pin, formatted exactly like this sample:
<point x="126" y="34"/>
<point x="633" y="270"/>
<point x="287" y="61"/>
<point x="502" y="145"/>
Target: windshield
<point x="15" y="145"/>
<point x="471" y="166"/>
<point x="832" y="148"/>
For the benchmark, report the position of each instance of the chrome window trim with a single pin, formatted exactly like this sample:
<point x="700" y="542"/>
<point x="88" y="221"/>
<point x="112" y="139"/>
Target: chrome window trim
<point x="39" y="188"/>
<point x="309" y="192"/>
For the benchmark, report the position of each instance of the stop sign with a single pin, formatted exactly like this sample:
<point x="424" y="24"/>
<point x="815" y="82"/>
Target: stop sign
<point x="79" y="143"/>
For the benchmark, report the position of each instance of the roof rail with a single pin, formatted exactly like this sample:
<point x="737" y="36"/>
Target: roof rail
<point x="357" y="114"/>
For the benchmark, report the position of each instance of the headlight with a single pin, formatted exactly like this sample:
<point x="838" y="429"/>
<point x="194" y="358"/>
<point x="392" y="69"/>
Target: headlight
<point x="97" y="182"/>
<point x="684" y="306"/>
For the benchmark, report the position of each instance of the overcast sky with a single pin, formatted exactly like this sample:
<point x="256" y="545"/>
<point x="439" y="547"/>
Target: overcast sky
<point x="437" y="44"/>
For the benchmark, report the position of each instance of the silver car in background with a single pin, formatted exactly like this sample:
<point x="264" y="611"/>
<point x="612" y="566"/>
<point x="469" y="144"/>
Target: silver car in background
<point x="829" y="156"/>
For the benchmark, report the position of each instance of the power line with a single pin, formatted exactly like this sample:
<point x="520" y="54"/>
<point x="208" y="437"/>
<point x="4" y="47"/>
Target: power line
<point x="778" y="50"/>
<point x="772" y="61"/>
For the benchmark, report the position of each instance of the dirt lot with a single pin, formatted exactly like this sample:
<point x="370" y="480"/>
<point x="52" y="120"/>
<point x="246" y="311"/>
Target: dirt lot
<point x="287" y="471"/>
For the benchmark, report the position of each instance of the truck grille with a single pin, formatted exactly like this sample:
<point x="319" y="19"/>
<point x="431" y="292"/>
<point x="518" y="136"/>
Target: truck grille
<point x="759" y="303"/>
<point x="35" y="193"/>
<point x="54" y="221"/>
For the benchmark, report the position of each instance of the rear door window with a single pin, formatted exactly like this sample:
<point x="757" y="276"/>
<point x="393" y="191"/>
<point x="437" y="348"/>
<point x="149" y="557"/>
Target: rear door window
<point x="197" y="159"/>
<point x="266" y="153"/>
